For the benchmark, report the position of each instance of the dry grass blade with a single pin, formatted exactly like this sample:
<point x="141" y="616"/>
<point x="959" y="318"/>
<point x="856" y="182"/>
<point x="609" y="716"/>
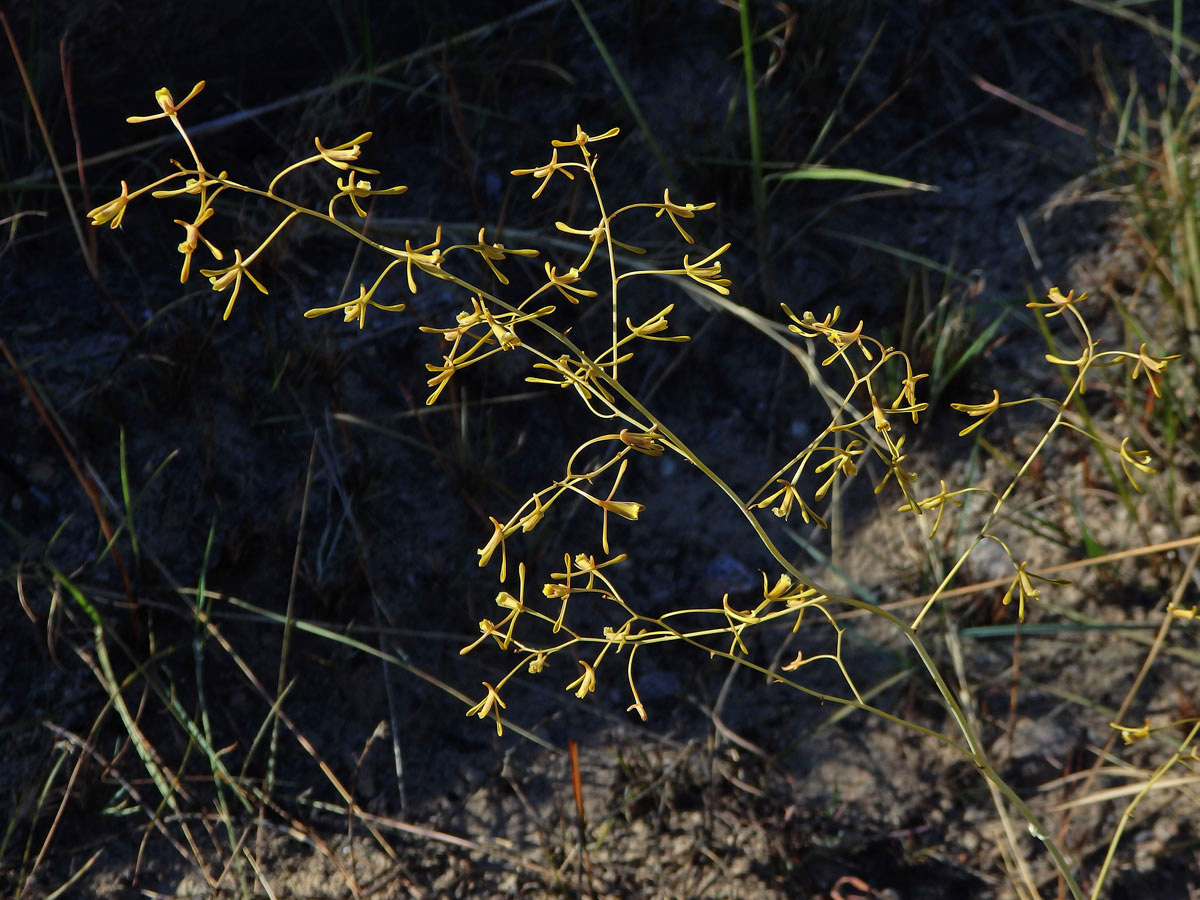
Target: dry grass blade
<point x="1146" y="782"/>
<point x="1058" y="569"/>
<point x="387" y="823"/>
<point x="66" y="886"/>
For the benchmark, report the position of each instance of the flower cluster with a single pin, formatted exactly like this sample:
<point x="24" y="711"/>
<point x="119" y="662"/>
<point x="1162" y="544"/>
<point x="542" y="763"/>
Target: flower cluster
<point x="581" y="610"/>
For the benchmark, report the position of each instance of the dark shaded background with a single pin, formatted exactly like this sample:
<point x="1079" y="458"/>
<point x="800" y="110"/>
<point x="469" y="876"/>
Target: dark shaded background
<point x="458" y="94"/>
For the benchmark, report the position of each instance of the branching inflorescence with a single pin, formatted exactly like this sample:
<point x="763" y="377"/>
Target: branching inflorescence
<point x="536" y="625"/>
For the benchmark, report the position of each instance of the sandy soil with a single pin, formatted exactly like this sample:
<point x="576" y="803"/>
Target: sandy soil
<point x="734" y="787"/>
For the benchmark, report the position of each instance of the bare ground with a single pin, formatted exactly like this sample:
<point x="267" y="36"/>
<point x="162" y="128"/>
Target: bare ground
<point x="734" y="788"/>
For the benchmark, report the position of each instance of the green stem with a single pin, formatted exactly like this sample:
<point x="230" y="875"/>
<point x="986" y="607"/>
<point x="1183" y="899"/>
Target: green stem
<point x="752" y="120"/>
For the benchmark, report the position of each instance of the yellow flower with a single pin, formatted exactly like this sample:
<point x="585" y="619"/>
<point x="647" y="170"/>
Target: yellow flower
<point x="223" y="279"/>
<point x="585" y="683"/>
<point x="787" y="591"/>
<point x="489" y="629"/>
<point x="572" y="373"/>
<point x="428" y="259"/>
<point x="808" y="320"/>
<point x="745" y="616"/>
<point x="1083" y="362"/>
<point x="789" y="496"/>
<point x="706" y="271"/>
<point x="904" y="478"/>
<point x="502" y="332"/>
<point x="195" y="185"/>
<point x="782" y="585"/>
<point x="842" y="461"/>
<point x="643" y="442"/>
<point x="514" y="605"/>
<point x="193" y="239"/>
<point x="530" y="520"/>
<point x="496" y="540"/>
<point x="356" y="310"/>
<point x="587" y="565"/>
<point x="620" y="636"/>
<point x="491" y="703"/>
<point x="1057" y="302"/>
<point x="113" y="211"/>
<point x="1025" y="590"/>
<point x="843" y="341"/>
<point x="582" y="139"/>
<point x="1152" y="365"/>
<point x="560" y="590"/>
<point x="341" y="156"/>
<point x="495" y="251"/>
<point x="626" y="509"/>
<point x="676" y="212"/>
<point x="795" y="663"/>
<point x="1137" y="459"/>
<point x="1132" y="735"/>
<point x="908" y="394"/>
<point x="441" y="378"/>
<point x="982" y="411"/>
<point x="878" y="417"/>
<point x="565" y="283"/>
<point x="544" y="172"/>
<point x="170" y="109"/>
<point x="938" y="501"/>
<point x="355" y="189"/>
<point x="597" y="236"/>
<point x="654" y="325"/>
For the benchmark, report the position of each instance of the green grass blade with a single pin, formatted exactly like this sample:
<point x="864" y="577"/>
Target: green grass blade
<point x="626" y="92"/>
<point x="127" y="499"/>
<point x="823" y="173"/>
<point x="752" y="121"/>
<point x="837" y="108"/>
<point x="973" y="349"/>
<point x="899" y="253"/>
<point x="1050" y="628"/>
